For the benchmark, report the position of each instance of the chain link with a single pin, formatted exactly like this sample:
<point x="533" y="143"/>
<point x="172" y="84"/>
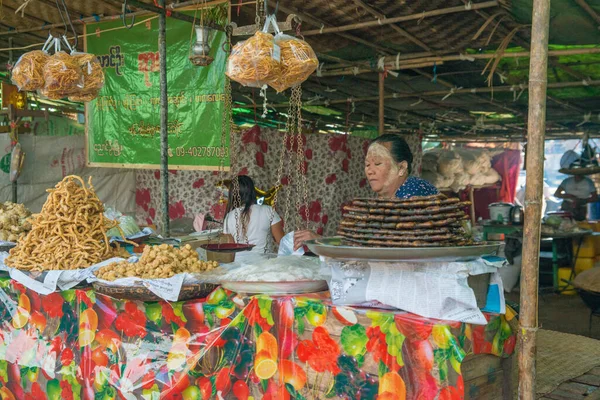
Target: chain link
<point x="224" y="121"/>
<point x="302" y="169"/>
<point x="260" y="14"/>
<point x="227" y="123"/>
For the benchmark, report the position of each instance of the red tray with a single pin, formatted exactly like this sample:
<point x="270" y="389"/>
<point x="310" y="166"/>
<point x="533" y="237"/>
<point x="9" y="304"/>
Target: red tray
<point x="227" y="247"/>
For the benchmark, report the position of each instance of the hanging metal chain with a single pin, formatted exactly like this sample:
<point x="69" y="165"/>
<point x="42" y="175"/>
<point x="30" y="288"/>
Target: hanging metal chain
<point x="227" y="124"/>
<point x="302" y="170"/>
<point x="293" y="175"/>
<point x="299" y="156"/>
<point x="282" y="157"/>
<point x="226" y="118"/>
<point x="260" y="14"/>
<point x="284" y="153"/>
<point x="241" y="230"/>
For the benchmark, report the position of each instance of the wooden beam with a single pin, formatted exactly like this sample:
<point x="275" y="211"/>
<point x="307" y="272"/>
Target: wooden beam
<point x="75" y="14"/>
<point x="404" y="18"/>
<point x="357" y="71"/>
<point x="390" y="61"/>
<point x="566" y="104"/>
<point x="401" y="31"/>
<point x="591" y="12"/>
<point x="476" y="96"/>
<point x="521" y="42"/>
<point x="381" y="102"/>
<point x="423" y="46"/>
<point x="441" y="93"/>
<point x="310" y="88"/>
<point x="319" y="22"/>
<point x="172" y="6"/>
<point x="174" y="14"/>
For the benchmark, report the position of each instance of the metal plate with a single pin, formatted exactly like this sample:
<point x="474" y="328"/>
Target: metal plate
<point x="332" y="247"/>
<point x="291" y="287"/>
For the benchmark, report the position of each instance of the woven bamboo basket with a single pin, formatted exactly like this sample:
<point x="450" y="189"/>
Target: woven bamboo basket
<point x="141" y="293"/>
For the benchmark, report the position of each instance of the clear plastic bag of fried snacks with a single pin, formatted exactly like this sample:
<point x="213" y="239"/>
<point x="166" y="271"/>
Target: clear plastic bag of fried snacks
<point x="93" y="74"/>
<point x="84" y="96"/>
<point x="298" y="61"/>
<point x="256" y="61"/>
<point x="63" y="76"/>
<point x="28" y="72"/>
<point x="93" y="77"/>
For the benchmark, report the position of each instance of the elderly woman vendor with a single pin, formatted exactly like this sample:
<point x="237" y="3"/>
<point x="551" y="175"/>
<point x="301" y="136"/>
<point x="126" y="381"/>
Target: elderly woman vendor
<point x="388" y="167"/>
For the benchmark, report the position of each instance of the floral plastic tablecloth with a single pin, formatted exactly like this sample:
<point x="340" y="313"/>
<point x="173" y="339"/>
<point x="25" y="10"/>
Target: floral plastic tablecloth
<point x="78" y="344"/>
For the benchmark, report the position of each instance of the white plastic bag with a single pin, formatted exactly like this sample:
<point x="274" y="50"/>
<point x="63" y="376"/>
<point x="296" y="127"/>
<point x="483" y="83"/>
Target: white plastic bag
<point x="286" y="246"/>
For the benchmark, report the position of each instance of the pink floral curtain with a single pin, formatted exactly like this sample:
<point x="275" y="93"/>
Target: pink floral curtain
<point x="335" y="175"/>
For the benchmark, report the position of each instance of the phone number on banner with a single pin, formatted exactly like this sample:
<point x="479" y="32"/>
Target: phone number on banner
<point x="202" y="151"/>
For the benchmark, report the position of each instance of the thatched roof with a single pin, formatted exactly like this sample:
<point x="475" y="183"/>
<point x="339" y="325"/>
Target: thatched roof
<point x="439" y="88"/>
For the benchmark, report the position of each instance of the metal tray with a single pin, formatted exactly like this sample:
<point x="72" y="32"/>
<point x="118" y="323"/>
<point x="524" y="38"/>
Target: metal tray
<point x="280" y="288"/>
<point x="580" y="171"/>
<point x="332" y="247"/>
<point x="137" y="240"/>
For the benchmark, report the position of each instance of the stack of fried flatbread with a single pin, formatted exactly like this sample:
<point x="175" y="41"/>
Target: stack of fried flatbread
<point x="431" y="221"/>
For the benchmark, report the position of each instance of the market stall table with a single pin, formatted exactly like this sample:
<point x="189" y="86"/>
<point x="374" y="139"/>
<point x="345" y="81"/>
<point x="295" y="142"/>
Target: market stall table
<point x="80" y="343"/>
<point x="555" y="238"/>
<point x="496" y="229"/>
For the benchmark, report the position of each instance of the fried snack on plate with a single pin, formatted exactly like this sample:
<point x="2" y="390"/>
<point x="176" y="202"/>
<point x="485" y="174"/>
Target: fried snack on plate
<point x="69" y="233"/>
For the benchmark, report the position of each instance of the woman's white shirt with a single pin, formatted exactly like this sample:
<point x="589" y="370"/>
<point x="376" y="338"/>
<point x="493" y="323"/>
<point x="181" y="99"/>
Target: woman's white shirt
<point x="262" y="217"/>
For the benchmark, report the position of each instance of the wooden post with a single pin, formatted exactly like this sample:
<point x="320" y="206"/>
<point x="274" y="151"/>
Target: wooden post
<point x="164" y="117"/>
<point x="528" y="321"/>
<point x="14" y="185"/>
<point x="472" y="200"/>
<point x="381" y="103"/>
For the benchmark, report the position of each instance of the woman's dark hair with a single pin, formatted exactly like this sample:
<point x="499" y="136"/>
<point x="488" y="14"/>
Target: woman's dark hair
<point x="247" y="194"/>
<point x="398" y="148"/>
<point x="247" y="198"/>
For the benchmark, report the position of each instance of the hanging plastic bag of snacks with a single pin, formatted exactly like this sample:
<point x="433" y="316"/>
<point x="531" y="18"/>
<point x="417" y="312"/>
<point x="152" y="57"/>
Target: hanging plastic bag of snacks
<point x="62" y="74"/>
<point x="28" y="72"/>
<point x="256" y="61"/>
<point x="93" y="77"/>
<point x="84" y="96"/>
<point x="298" y="61"/>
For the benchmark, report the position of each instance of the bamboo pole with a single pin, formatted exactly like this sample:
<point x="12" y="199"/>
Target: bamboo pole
<point x="172" y="6"/>
<point x="164" y="117"/>
<point x="357" y="71"/>
<point x="401" y="31"/>
<point x="406" y="61"/>
<point x="441" y="93"/>
<point x="174" y="14"/>
<point x="404" y="18"/>
<point x="381" y="103"/>
<point x="528" y="321"/>
<point x="592" y="13"/>
<point x="308" y="18"/>
<point x="14" y="184"/>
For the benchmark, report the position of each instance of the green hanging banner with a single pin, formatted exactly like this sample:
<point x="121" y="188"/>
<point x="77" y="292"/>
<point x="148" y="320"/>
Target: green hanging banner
<point x="123" y="123"/>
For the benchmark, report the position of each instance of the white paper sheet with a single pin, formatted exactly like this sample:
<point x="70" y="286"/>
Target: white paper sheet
<point x="47" y="282"/>
<point x="433" y="290"/>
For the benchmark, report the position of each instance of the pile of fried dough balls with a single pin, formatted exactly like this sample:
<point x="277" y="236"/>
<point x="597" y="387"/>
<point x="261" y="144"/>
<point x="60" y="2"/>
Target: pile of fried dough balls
<point x="158" y="262"/>
<point x="13" y="221"/>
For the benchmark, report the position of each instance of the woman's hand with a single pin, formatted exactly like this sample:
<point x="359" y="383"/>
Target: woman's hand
<point x="302" y="236"/>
